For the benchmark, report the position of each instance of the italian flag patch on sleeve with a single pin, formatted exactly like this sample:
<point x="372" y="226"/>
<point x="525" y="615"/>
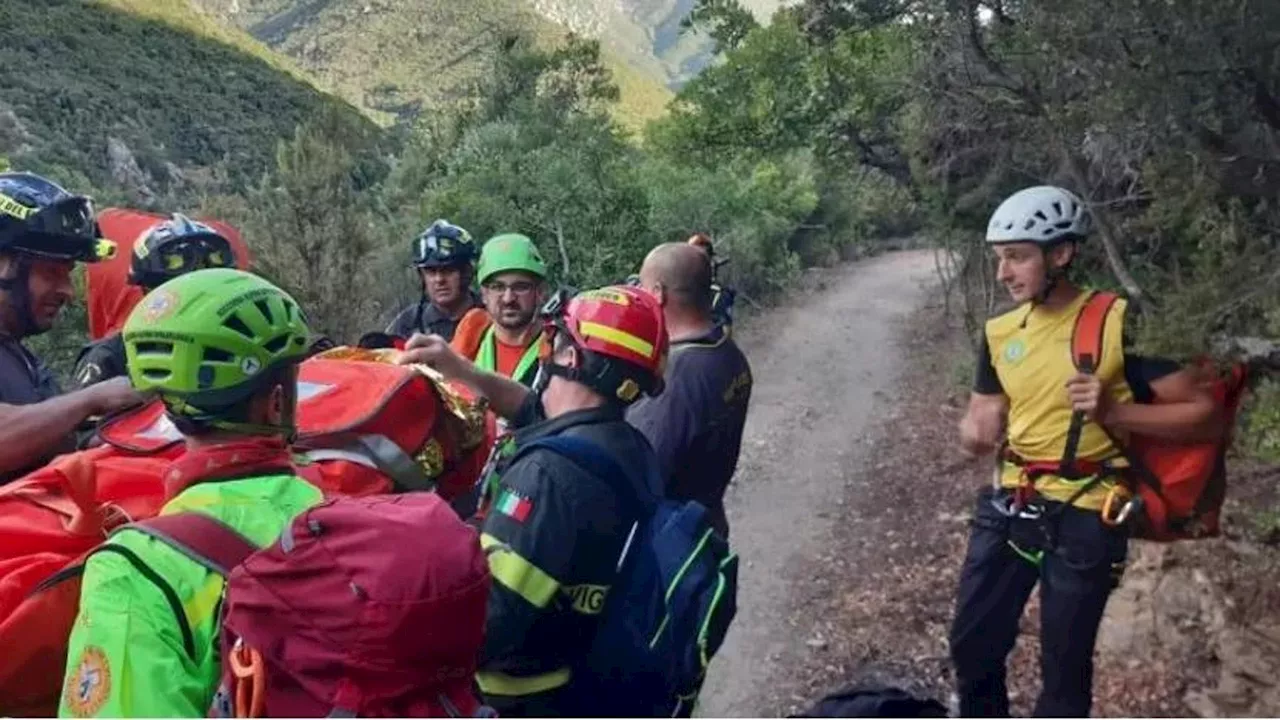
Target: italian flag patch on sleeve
<point x="514" y="505"/>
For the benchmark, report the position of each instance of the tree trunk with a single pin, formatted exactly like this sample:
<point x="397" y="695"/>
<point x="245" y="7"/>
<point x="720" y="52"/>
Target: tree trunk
<point x="1105" y="231"/>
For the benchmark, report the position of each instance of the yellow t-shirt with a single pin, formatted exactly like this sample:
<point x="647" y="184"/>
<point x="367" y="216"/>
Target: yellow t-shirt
<point x="1031" y="355"/>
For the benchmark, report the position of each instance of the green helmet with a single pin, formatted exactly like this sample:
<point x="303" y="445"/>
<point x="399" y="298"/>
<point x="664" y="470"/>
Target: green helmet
<point x="509" y="252"/>
<point x="206" y="340"/>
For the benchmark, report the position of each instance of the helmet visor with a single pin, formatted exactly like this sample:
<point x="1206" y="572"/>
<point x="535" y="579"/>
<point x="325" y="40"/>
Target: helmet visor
<point x="441" y="249"/>
<point x="195" y="253"/>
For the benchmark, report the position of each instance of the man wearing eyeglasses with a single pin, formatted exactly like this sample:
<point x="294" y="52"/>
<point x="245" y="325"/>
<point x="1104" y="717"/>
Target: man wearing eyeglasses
<point x="167" y="250"/>
<point x="505" y="338"/>
<point x="44" y="232"/>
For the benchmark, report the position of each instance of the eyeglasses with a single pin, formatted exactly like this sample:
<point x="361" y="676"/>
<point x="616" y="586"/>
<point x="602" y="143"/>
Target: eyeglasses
<point x="519" y="287"/>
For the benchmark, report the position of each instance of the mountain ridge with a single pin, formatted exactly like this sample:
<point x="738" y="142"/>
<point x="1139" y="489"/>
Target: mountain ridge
<point x="397" y="58"/>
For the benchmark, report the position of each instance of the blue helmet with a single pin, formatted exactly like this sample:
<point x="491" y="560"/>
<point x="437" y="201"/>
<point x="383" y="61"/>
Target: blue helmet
<point x="443" y="245"/>
<point x="175" y="247"/>
<point x="40" y="218"/>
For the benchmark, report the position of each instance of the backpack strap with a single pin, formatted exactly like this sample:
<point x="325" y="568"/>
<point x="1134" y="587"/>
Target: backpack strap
<point x="376" y="451"/>
<point x="204" y="539"/>
<point x="1087" y="339"/>
<point x="595" y="460"/>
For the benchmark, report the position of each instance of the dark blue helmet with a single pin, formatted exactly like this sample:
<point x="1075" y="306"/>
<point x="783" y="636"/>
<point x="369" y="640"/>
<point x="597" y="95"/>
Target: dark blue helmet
<point x="175" y="247"/>
<point x="38" y="217"/>
<point x="443" y="245"/>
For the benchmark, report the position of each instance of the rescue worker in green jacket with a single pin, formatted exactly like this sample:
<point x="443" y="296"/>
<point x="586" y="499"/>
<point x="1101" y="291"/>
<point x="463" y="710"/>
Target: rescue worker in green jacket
<point x="221" y="348"/>
<point x="505" y="337"/>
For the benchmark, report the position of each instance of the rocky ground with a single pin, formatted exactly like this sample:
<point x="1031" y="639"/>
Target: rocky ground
<point x="850" y="510"/>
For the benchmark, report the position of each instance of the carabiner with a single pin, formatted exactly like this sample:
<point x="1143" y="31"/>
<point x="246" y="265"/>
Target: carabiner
<point x="1006" y="505"/>
<point x="1133" y="503"/>
<point x="1031" y="511"/>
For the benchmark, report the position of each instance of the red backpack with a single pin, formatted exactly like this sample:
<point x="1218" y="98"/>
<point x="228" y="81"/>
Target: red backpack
<point x="365" y="428"/>
<point x="49" y="521"/>
<point x="363" y="421"/>
<point x="369" y="607"/>
<point x="1179" y="486"/>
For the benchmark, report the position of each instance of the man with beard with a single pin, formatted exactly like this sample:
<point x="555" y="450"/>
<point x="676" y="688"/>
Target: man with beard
<point x="505" y="338"/>
<point x="444" y="255"/>
<point x="44" y="232"/>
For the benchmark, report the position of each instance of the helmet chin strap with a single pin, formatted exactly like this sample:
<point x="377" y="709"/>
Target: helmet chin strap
<point x="1052" y="276"/>
<point x="1050" y="284"/>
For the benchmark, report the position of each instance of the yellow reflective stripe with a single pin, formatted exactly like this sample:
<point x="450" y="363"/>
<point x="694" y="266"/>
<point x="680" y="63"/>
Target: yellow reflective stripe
<point x="9" y="206"/>
<point x="620" y="337"/>
<point x="518" y="574"/>
<point x="496" y="683"/>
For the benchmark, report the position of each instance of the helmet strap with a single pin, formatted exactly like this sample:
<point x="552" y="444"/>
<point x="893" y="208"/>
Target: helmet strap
<point x="1052" y="275"/>
<point x="600" y="374"/>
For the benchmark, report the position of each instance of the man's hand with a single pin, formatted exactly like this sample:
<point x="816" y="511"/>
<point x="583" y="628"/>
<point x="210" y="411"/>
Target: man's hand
<point x="506" y="396"/>
<point x="114" y="394"/>
<point x="982" y="424"/>
<point x="436" y="352"/>
<point x="1088" y="397"/>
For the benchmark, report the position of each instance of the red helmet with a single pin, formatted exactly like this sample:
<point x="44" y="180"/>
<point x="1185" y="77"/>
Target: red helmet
<point x="618" y="323"/>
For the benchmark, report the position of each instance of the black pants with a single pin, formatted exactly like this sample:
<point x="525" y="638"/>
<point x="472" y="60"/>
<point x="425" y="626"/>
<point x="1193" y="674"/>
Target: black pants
<point x="1077" y="574"/>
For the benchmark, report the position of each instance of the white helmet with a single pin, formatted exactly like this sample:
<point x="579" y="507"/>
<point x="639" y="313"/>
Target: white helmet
<point x="1041" y="214"/>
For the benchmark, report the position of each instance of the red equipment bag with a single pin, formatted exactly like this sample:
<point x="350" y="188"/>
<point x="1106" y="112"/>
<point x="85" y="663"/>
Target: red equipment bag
<point x="360" y="416"/>
<point x="364" y="427"/>
<point x="1180" y="486"/>
<point x="49" y="521"/>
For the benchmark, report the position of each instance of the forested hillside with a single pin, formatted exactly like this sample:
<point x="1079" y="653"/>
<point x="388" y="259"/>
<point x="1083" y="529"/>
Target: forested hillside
<point x="405" y="58"/>
<point x="143" y="101"/>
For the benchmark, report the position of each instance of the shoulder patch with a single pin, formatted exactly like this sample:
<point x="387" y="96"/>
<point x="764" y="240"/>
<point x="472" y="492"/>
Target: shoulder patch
<point x="88" y="685"/>
<point x="514" y="505"/>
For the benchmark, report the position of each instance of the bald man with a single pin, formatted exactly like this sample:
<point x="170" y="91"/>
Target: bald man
<point x="695" y="425"/>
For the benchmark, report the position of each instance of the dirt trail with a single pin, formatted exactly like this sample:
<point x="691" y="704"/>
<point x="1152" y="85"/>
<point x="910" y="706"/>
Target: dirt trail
<point x="818" y="367"/>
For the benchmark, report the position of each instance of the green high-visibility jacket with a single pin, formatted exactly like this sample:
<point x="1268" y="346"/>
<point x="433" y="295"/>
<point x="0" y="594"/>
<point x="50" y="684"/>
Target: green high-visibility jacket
<point x="126" y="654"/>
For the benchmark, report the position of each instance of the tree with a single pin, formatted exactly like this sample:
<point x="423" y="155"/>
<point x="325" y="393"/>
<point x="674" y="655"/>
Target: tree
<point x="726" y="21"/>
<point x="313" y="225"/>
